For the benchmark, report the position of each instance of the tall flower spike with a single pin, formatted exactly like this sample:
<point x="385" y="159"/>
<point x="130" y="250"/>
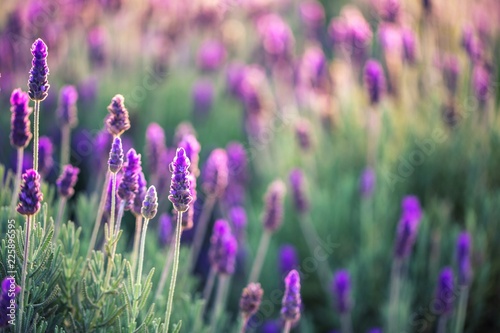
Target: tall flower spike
<point x="290" y="310"/>
<point x="150" y="204"/>
<point x="45" y="159"/>
<point x="223" y="248"/>
<point x="20" y="134"/>
<point x="142" y="188"/>
<point x="298" y="192"/>
<point x="250" y="299"/>
<point x="8" y="299"/>
<point x="237" y="162"/>
<point x="192" y="148"/>
<point x="30" y="195"/>
<point x="445" y="291"/>
<point x="115" y="161"/>
<point x="66" y="182"/>
<point x="273" y="211"/>
<point x="374" y="81"/>
<point x="342" y="289"/>
<point x="38" y="83"/>
<point x="463" y="259"/>
<point x="215" y="173"/>
<point x="117" y="120"/>
<point x="67" y="106"/>
<point x="180" y="192"/>
<point x="238" y="218"/>
<point x="129" y="183"/>
<point x="155" y="146"/>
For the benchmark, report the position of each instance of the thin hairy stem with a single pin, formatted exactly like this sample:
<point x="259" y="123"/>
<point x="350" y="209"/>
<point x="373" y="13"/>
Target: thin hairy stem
<point x="60" y="212"/>
<point x="443" y="319"/>
<point x="35" y="136"/>
<point x="17" y="183"/>
<point x="259" y="258"/>
<point x="141" y="253"/>
<point x="119" y="216"/>
<point x="137" y="238"/>
<point x="220" y="300"/>
<point x="65" y="144"/>
<point x="23" y="273"/>
<point x="100" y="211"/>
<point x="345" y="322"/>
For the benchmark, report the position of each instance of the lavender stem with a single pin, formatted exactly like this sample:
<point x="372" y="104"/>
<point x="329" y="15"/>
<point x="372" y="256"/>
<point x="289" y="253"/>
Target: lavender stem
<point x="259" y="258"/>
<point x="60" y="211"/>
<point x="17" y="183"/>
<point x="442" y="324"/>
<point x="119" y="216"/>
<point x="288" y="326"/>
<point x="141" y="253"/>
<point x="462" y="309"/>
<point x="23" y="274"/>
<point x="201" y="229"/>
<point x="345" y="322"/>
<point x="100" y="211"/>
<point x="396" y="277"/>
<point x="113" y="205"/>
<point x="65" y="144"/>
<point x="219" y="302"/>
<point x="35" y="136"/>
<point x="209" y="286"/>
<point x="137" y="238"/>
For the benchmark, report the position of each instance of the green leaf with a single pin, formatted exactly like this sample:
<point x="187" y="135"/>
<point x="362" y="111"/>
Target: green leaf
<point x="177" y="327"/>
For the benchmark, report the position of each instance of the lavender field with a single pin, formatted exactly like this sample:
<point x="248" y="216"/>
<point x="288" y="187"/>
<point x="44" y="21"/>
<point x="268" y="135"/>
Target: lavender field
<point x="250" y="166"/>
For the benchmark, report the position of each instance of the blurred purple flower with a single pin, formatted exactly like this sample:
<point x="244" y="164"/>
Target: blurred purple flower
<point x="223" y="248"/>
<point x="271" y="326"/>
<point x="472" y="44"/>
<point x="411" y="207"/>
<point x="234" y="76"/>
<point x="273" y="207"/>
<point x="238" y="218"/>
<point x="102" y="144"/>
<point x="481" y="83"/>
<point x="450" y="68"/>
<point x="215" y="173"/>
<point x="312" y="15"/>
<point x="288" y="259"/>
<point x="211" y="55"/>
<point x="303" y="134"/>
<point x="463" y="259"/>
<point x="30" y="194"/>
<point x="445" y="293"/>
<point x="97" y="39"/>
<point x="45" y="159"/>
<point x="390" y="37"/>
<point x="165" y="229"/>
<point x="202" y="94"/>
<point x="409" y="46"/>
<point x="87" y="89"/>
<point x="290" y="310"/>
<point x="276" y="36"/>
<point x="155" y="145"/>
<point x="66" y="112"/>
<point x="20" y="125"/>
<point x="67" y="181"/>
<point x="234" y="195"/>
<point x="367" y="182"/>
<point x="342" y="290"/>
<point x="375" y="83"/>
<point x="389" y="10"/>
<point x="237" y="162"/>
<point x="301" y="203"/>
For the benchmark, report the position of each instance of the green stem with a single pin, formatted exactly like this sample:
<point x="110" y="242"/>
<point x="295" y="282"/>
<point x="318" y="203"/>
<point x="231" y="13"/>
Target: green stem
<point x="113" y="205"/>
<point x="60" y="211"/>
<point x="288" y="326"/>
<point x="177" y="244"/>
<point x="100" y="211"/>
<point x="462" y="309"/>
<point x="393" y="320"/>
<point x="113" y="239"/>
<point x="65" y="143"/>
<point x="259" y="258"/>
<point x="137" y="238"/>
<point x="35" y="136"/>
<point x="200" y="231"/>
<point x="23" y="273"/>
<point x="17" y="183"/>
<point x="345" y="323"/>
<point x="119" y="216"/>
<point x="219" y="302"/>
<point x="141" y="253"/>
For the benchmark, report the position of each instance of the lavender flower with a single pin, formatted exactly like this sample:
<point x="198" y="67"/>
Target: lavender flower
<point x="155" y="146"/>
<point x="277" y="38"/>
<point x="117" y="120"/>
<point x="273" y="211"/>
<point x="96" y="39"/>
<point x="234" y="76"/>
<point x="481" y="83"/>
<point x="211" y="55"/>
<point x="238" y="218"/>
<point x="390" y="38"/>
<point x="463" y="259"/>
<point x="30" y="195"/>
<point x="101" y="144"/>
<point x="450" y="69"/>
<point x="115" y="161"/>
<point x="8" y="300"/>
<point x="223" y="248"/>
<point x="250" y="299"/>
<point x="408" y="226"/>
<point x="234" y="194"/>
<point x="409" y="46"/>
<point x="389" y="10"/>
<point x="66" y="182"/>
<point x="20" y="134"/>
<point x="237" y="163"/>
<point x="472" y="44"/>
<point x="299" y="196"/>
<point x="165" y="229"/>
<point x="192" y="148"/>
<point x="38" y="84"/>
<point x="140" y="195"/>
<point x="290" y="310"/>
<point x="288" y="259"/>
<point x="183" y="129"/>
<point x="342" y="289"/>
<point x="188" y="217"/>
<point x="150" y="204"/>
<point x="202" y="94"/>
<point x="45" y="152"/>
<point x="129" y="183"/>
<point x="67" y="106"/>
<point x="180" y="193"/>
<point x="445" y="291"/>
<point x="107" y="206"/>
<point x="411" y="207"/>
<point x="215" y="173"/>
<point x="367" y="182"/>
<point x="303" y="134"/>
<point x="374" y="81"/>
<point x="375" y="330"/>
<point x="312" y="15"/>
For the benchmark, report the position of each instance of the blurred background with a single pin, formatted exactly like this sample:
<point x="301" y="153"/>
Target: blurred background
<point x="291" y="82"/>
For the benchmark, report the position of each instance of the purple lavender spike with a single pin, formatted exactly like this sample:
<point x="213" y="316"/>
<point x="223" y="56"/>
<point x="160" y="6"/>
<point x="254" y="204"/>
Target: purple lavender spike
<point x="115" y="161"/>
<point x="202" y="95"/>
<point x="481" y="83"/>
<point x="129" y="183"/>
<point x="409" y="46"/>
<point x="271" y="326"/>
<point x="211" y="55"/>
<point x="66" y="182"/>
<point x="290" y="310"/>
<point x="141" y="193"/>
<point x="38" y="83"/>
<point x="367" y="182"/>
<point x="303" y="134"/>
<point x="237" y="162"/>
<point x="102" y="141"/>
<point x="96" y="40"/>
<point x="117" y="120"/>
<point x="411" y="207"/>
<point x="472" y="44"/>
<point x="8" y="300"/>
<point x="223" y="248"/>
<point x="150" y="204"/>
<point x="389" y="10"/>
<point x="277" y="38"/>
<point x="299" y="196"/>
<point x="273" y="211"/>
<point x="312" y="15"/>
<point x="180" y="193"/>
<point x="375" y="83"/>
<point x="250" y="299"/>
<point x="445" y="291"/>
<point x="66" y="111"/>
<point x="45" y="159"/>
<point x="342" y="289"/>
<point x="155" y="146"/>
<point x="30" y="195"/>
<point x="234" y="76"/>
<point x="463" y="259"/>
<point x="215" y="173"/>
<point x="20" y="134"/>
<point x="192" y="148"/>
<point x="238" y="218"/>
<point x="288" y="259"/>
<point x="165" y="229"/>
<point x="450" y="69"/>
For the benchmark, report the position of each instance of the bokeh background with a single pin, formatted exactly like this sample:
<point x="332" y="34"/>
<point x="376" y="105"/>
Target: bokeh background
<point x="304" y="103"/>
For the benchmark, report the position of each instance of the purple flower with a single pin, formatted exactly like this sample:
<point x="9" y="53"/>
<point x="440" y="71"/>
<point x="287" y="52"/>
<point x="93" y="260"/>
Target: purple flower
<point x="96" y="39"/>
<point x="463" y="259"/>
<point x="277" y="38"/>
<point x="184" y="128"/>
<point x="66" y="182"/>
<point x="411" y="207"/>
<point x="102" y="141"/>
<point x="273" y="211"/>
<point x="312" y="72"/>
<point x="312" y="15"/>
<point x="202" y="94"/>
<point x="45" y="152"/>
<point x="450" y="68"/>
<point x="445" y="291"/>
<point x="117" y="120"/>
<point x="180" y="193"/>
<point x="38" y="84"/>
<point x="481" y="82"/>
<point x="374" y="81"/>
<point x="30" y="195"/>
<point x="234" y="76"/>
<point x="211" y="55"/>
<point x="237" y="162"/>
<point x="155" y="146"/>
<point x="130" y="181"/>
<point x="20" y="133"/>
<point x="390" y="38"/>
<point x="215" y="173"/>
<point x="234" y="195"/>
<point x="188" y="217"/>
<point x="389" y="10"/>
<point x="472" y="44"/>
<point x="165" y="229"/>
<point x="8" y="300"/>
<point x="409" y="46"/>
<point x="115" y="161"/>
<point x="303" y="134"/>
<point x="367" y="182"/>
<point x="342" y="290"/>
<point x="375" y="330"/>
<point x="223" y="248"/>
<point x="299" y="196"/>
<point x="140" y="195"/>
<point x="150" y="204"/>
<point x="66" y="111"/>
<point x="288" y="259"/>
<point x="238" y="218"/>
<point x="192" y="148"/>
<point x="406" y="236"/>
<point x="290" y="310"/>
<point x="250" y="299"/>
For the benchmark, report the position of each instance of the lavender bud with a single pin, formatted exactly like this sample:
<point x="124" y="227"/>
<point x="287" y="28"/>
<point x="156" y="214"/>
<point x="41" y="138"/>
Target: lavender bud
<point x="8" y="300"/>
<point x="237" y="162"/>
<point x="250" y="299"/>
<point x="129" y="183"/>
<point x="66" y="182"/>
<point x="211" y="55"/>
<point x="202" y="94"/>
<point x="150" y="204"/>
<point x="271" y="326"/>
<point x="223" y="248"/>
<point x="411" y="207"/>
<point x="192" y="148"/>
<point x="165" y="229"/>
<point x="45" y="152"/>
<point x="342" y="290"/>
<point x="238" y="218"/>
<point x="234" y="195"/>
<point x="298" y="192"/>
<point x="445" y="291"/>
<point x="288" y="259"/>
<point x="38" y="84"/>
<point x="374" y="81"/>
<point x="180" y="193"/>
<point x="290" y="310"/>
<point x="463" y="259"/>
<point x="234" y="76"/>
<point x="409" y="46"/>
<point x="215" y="173"/>
<point x="20" y="133"/>
<point x="117" y="120"/>
<point x="155" y="145"/>
<point x="481" y="83"/>
<point x="273" y="211"/>
<point x="277" y="38"/>
<point x="66" y="111"/>
<point x="367" y="182"/>
<point x="188" y="217"/>
<point x="141" y="194"/>
<point x="115" y="161"/>
<point x="30" y="195"/>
